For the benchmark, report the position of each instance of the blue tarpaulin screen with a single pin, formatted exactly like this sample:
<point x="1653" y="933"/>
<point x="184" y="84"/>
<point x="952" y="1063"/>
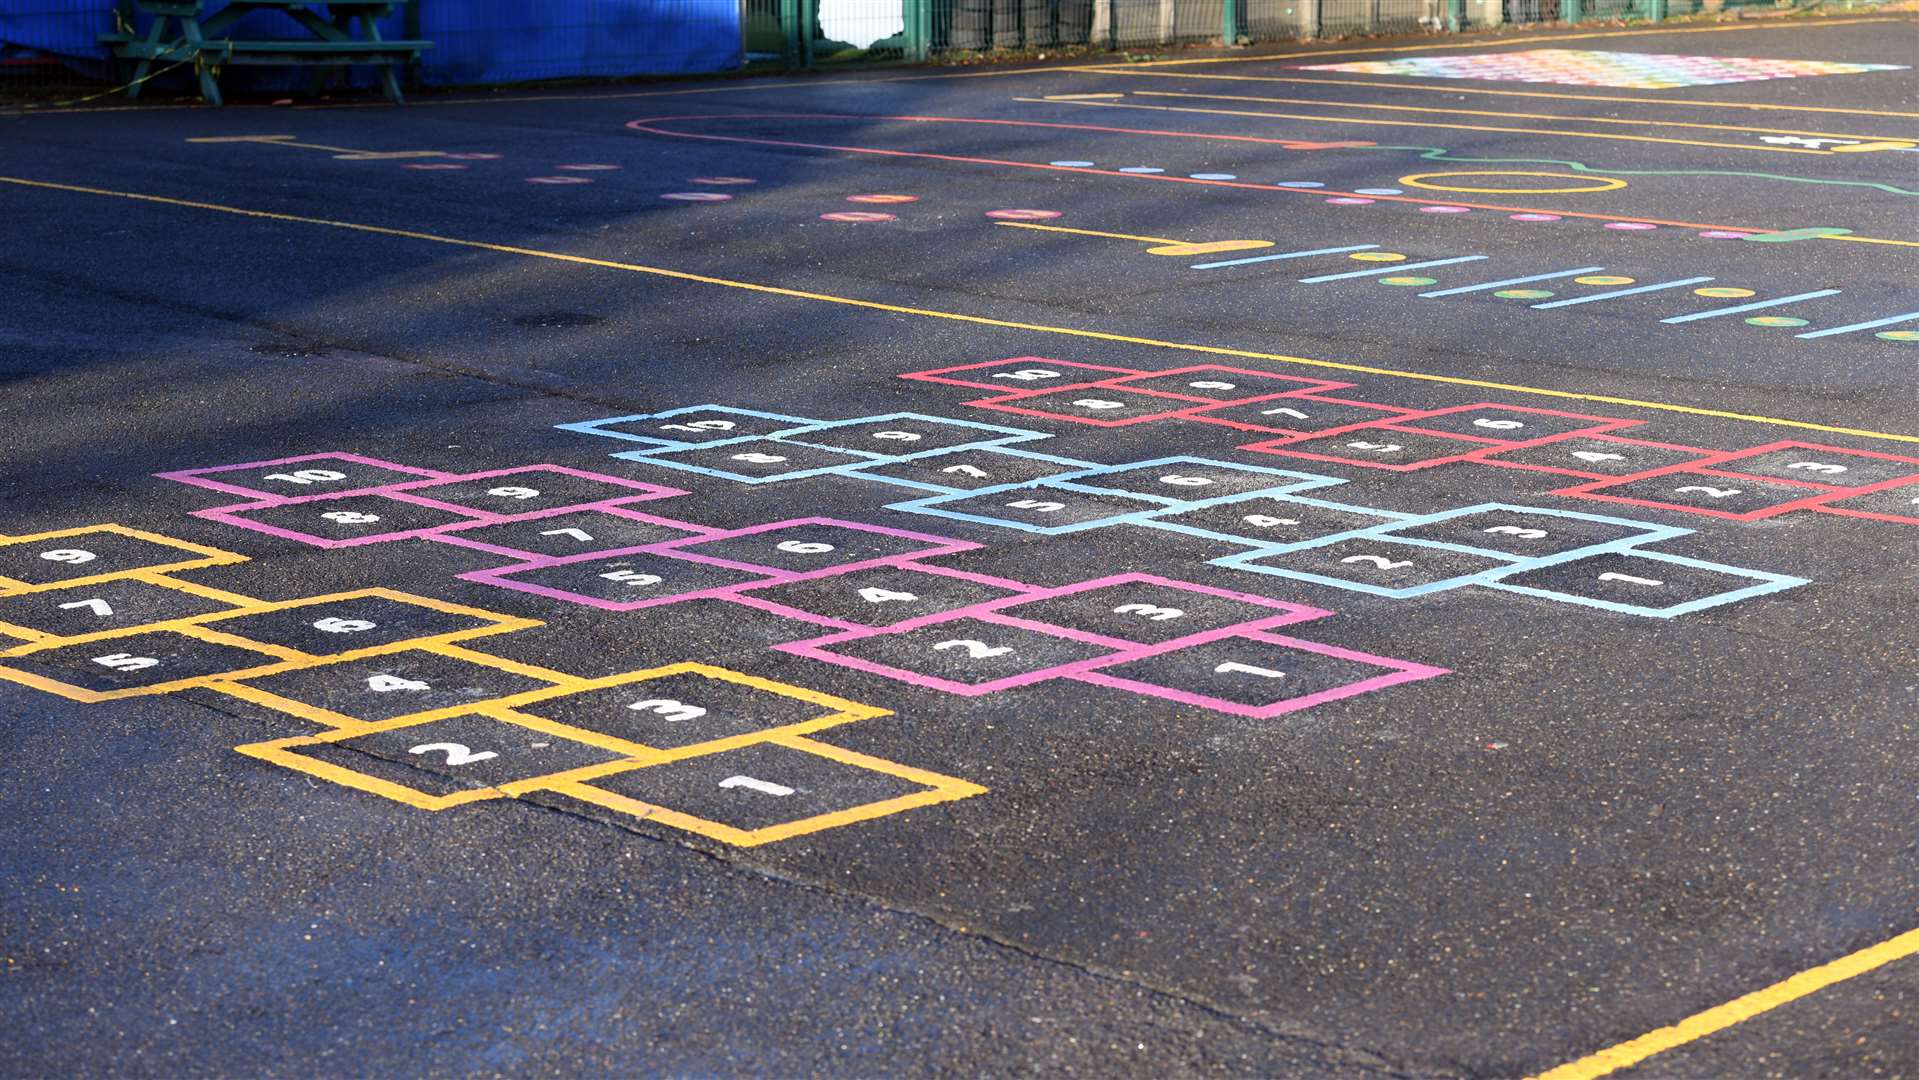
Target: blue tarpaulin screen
<point x="475" y="41"/>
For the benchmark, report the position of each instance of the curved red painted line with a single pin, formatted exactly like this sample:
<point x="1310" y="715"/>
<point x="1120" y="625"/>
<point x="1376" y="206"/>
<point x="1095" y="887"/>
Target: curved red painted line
<point x="646" y="123"/>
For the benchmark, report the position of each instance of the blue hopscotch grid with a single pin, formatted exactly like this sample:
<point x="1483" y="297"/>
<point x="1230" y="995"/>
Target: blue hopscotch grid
<point x="1084" y="483"/>
<point x="795" y="431"/>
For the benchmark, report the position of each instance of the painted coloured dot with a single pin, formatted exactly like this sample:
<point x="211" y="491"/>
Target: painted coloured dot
<point x="1214" y="176"/>
<point x="1718" y="293"/>
<point x="855" y="215"/>
<point x="1143" y="169"/>
<point x="1604" y="279"/>
<point x="883" y="199"/>
<point x="1299" y="184"/>
<point x="558" y="180"/>
<point x="1072" y="164"/>
<point x="1377" y="256"/>
<point x="1348" y="202"/>
<point x="434" y="166"/>
<point x="1630" y="226"/>
<point x="1897" y="335"/>
<point x="722" y="180"/>
<point x="588" y="167"/>
<point x="1444" y="210"/>
<point x="1379" y="191"/>
<point x="1724" y="234"/>
<point x="1774" y="320"/>
<point x="1534" y="217"/>
<point x="1022" y="215"/>
<point x="1406" y="279"/>
<point x="1523" y="294"/>
<point x="475" y="157"/>
<point x="695" y="196"/>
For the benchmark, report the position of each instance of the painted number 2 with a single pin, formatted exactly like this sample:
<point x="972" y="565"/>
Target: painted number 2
<point x="456" y="753"/>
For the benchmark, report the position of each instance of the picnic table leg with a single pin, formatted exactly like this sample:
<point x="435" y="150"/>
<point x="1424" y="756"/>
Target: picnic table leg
<point x="389" y="82"/>
<point x="154" y="34"/>
<point x="190" y="33"/>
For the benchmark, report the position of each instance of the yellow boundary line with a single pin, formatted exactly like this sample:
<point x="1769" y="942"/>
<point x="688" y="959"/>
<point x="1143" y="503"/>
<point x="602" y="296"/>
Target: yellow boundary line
<point x="1434" y="88"/>
<point x="1739" y="1009"/>
<point x="976" y="320"/>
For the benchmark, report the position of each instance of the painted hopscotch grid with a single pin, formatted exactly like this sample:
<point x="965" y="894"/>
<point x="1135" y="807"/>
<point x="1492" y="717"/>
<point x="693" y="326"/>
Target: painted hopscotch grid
<point x="1592" y="67"/>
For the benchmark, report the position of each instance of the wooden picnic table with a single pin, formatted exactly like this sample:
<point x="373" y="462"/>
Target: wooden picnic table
<point x="203" y="38"/>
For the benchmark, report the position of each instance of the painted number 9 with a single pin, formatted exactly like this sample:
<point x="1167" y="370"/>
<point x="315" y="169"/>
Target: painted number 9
<point x="73" y="556"/>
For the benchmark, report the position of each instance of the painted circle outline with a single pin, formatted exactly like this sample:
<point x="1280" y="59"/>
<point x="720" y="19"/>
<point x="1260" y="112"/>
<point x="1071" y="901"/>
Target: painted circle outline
<point x="1607" y="183"/>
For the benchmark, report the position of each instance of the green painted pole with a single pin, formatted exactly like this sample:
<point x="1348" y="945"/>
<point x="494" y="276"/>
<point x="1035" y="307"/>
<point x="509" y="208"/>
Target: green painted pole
<point x="1569" y="11"/>
<point x="790" y="31"/>
<point x="1229" y="22"/>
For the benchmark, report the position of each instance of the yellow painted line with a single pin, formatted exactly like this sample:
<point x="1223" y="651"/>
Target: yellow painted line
<point x="1528" y="39"/>
<point x="1871" y="240"/>
<point x="1177" y="248"/>
<point x="1442" y="89"/>
<point x="1883" y="141"/>
<point x="975" y="320"/>
<point x="1088" y="232"/>
<point x="1721" y="1017"/>
<point x="1426" y="124"/>
<point x="344" y="153"/>
<point x="1867" y="148"/>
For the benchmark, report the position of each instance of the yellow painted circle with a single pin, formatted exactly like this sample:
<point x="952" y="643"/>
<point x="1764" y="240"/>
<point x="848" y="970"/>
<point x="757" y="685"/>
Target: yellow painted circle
<point x="1378" y="256"/>
<point x="1583" y="183"/>
<point x="1722" y="293"/>
<point x="1604" y="279"/>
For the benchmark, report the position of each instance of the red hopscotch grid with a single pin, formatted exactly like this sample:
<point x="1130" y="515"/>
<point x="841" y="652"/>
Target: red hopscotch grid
<point x="1586" y="474"/>
<point x="1911" y="486"/>
<point x="1479" y="445"/>
<point x="1715" y="467"/>
<point x="1392" y="413"/>
<point x="945" y="375"/>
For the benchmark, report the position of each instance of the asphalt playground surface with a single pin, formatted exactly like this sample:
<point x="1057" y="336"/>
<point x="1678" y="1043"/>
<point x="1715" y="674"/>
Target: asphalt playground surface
<point x="1238" y="659"/>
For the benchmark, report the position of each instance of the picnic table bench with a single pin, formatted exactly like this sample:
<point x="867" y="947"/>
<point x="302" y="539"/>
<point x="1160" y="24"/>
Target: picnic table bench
<point x="205" y="40"/>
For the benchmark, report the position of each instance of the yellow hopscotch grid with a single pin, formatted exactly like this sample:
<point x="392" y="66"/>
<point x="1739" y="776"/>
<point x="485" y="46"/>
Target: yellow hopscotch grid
<point x="205" y="556"/>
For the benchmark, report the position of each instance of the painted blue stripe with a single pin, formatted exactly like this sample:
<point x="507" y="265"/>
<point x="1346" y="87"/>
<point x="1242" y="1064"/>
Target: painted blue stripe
<point x="1396" y="268"/>
<point x="1909" y="316"/>
<point x="1624" y="292"/>
<point x="1756" y="305"/>
<point x="1513" y="281"/>
<point x="1284" y="255"/>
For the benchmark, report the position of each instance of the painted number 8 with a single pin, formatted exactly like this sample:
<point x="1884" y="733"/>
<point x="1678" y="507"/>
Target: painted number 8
<point x="801" y="547"/>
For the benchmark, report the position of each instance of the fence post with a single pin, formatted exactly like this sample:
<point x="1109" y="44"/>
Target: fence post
<point x="1569" y="11"/>
<point x="1656" y="10"/>
<point x="1229" y="22"/>
<point x="919" y="28"/>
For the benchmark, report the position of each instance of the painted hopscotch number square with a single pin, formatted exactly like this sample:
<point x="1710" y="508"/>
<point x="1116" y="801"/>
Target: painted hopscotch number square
<point x="701" y="424"/>
<point x="1706" y="493"/>
<point x="1377" y="447"/>
<point x="971" y="470"/>
<point x="579" y="532"/>
<point x="1593" y="67"/>
<point x="1148" y="611"/>
<point x="680" y="710"/>
<point x="620" y="582"/>
<point x="1255" y="676"/>
<point x="905" y="433"/>
<point x="1212" y="382"/>
<point x="1299" y="415"/>
<point x="754" y="461"/>
<point x="806" y="546"/>
<point x="1524" y="533"/>
<point x="1103" y="406"/>
<point x="759" y="792"/>
<point x="1597" y="456"/>
<point x="964" y="654"/>
<point x="152" y="662"/>
<point x="309" y="474"/>
<point x="538" y="487"/>
<point x="1264" y="520"/>
<point x="343" y="521"/>
<point x="1808" y="464"/>
<point x="1193" y="480"/>
<point x="331" y="627"/>
<point x="433" y="764"/>
<point x="1374" y="565"/>
<point x="1021" y="373"/>
<point x="1505" y="423"/>
<point x="388" y="687"/>
<point x="100" y="552"/>
<point x="1896" y="504"/>
<point x="1043" y="510"/>
<point x="1640" y="584"/>
<point x="876" y="596"/>
<point x="72" y="610"/>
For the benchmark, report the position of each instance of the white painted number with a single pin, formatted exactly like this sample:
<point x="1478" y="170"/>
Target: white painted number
<point x="1212" y="384"/>
<point x="672" y="711"/>
<point x="1231" y="666"/>
<point x="975" y="650"/>
<point x="632" y="577"/>
<point x="343" y="626"/>
<point x="1514" y="530"/>
<point x="72" y="556"/>
<point x="1294" y="413"/>
<point x="349" y="517"/>
<point x="1377" y="448"/>
<point x="456" y="754"/>
<point x="307" y="476"/>
<point x="1186" y="481"/>
<point x="1155" y="614"/>
<point x="801" y="547"/>
<point x="898" y="436"/>
<point x="701" y="425"/>
<point x="1380" y="561"/>
<point x="881" y="596"/>
<point x="386" y="684"/>
<point x="1594" y="455"/>
<point x="1499" y="425"/>
<point x="1818" y="467"/>
<point x="514" y="492"/>
<point x="1036" y="505"/>
<point x="1099" y="404"/>
<point x="973" y="471"/>
<point x="1031" y="374"/>
<point x="126" y="661"/>
<point x="578" y="534"/>
<point x="1265" y="522"/>
<point x="1629" y="578"/>
<point x="761" y="786"/>
<point x="759" y="459"/>
<point x="98" y="607"/>
<point x="1712" y="492"/>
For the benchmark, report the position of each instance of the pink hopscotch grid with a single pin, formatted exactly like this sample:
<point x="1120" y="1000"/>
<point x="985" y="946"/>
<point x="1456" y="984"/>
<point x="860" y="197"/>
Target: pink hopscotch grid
<point x="503" y="576"/>
<point x="641" y="491"/>
<point x="1402" y="671"/>
<point x="455" y="533"/>
<point x="205" y="477"/>
<point x="1473" y="447"/>
<point x="1121" y="650"/>
<point x="744" y="594"/>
